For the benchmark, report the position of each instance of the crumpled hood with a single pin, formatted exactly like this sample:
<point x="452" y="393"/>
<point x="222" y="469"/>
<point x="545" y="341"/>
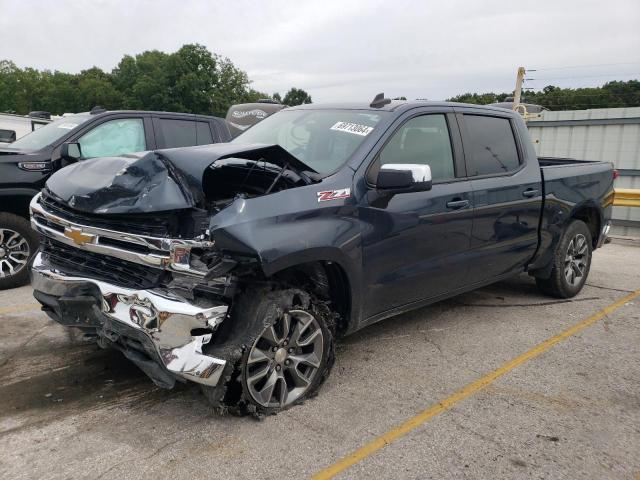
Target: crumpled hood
<point x="153" y="181"/>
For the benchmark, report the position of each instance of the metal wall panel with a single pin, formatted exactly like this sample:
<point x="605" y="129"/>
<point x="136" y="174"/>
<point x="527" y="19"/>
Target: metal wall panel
<point x="609" y="134"/>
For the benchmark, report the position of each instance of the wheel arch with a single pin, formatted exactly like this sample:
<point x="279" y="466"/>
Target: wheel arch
<point x="587" y="211"/>
<point x="329" y="279"/>
<point x="16" y="201"/>
<point x="591" y="215"/>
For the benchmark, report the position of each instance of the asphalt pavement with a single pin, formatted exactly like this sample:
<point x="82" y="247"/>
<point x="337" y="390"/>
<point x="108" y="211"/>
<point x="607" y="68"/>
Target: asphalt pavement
<point x="73" y="411"/>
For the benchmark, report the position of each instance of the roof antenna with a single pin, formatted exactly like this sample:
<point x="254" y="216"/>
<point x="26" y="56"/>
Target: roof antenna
<point x="380" y="101"/>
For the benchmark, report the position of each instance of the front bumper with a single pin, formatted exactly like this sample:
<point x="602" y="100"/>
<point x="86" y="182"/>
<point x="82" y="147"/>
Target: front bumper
<point x="169" y="328"/>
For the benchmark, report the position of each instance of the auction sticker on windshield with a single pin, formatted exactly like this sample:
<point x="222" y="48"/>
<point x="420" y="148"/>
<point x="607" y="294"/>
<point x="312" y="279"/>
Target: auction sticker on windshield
<point x="355" y="128"/>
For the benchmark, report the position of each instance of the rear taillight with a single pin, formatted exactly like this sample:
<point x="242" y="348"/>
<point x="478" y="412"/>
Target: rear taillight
<point x="616" y="173"/>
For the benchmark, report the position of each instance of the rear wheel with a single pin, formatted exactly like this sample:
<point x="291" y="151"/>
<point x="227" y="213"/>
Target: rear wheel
<point x="571" y="263"/>
<point x="18" y="245"/>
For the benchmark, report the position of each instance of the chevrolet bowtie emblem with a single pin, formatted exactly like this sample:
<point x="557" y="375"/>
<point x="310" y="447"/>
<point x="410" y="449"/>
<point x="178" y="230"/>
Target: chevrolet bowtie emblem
<point x="78" y="237"/>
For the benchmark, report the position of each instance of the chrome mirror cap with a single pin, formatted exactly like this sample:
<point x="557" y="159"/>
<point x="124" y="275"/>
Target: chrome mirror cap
<point x="403" y="178"/>
<point x="420" y="173"/>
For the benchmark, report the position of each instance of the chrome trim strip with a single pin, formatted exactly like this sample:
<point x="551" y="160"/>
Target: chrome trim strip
<point x="166" y="319"/>
<point x="604" y="234"/>
<point x="176" y="251"/>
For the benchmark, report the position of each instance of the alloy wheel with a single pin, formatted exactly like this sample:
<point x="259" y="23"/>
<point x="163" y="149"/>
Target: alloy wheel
<point x="285" y="359"/>
<point x="575" y="261"/>
<point x="14" y="252"/>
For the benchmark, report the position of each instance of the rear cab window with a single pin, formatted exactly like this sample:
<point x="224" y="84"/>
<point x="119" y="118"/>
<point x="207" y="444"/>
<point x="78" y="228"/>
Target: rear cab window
<point x="490" y="145"/>
<point x="173" y="133"/>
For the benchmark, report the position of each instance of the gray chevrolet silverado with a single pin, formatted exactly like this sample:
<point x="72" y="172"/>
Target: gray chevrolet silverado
<point x="237" y="265"/>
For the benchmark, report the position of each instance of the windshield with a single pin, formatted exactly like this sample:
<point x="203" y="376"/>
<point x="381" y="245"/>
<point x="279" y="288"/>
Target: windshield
<point x="48" y="134"/>
<point x="322" y="139"/>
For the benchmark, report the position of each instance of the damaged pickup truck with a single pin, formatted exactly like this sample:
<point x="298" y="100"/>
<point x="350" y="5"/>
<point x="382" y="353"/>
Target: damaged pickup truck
<point x="238" y="265"/>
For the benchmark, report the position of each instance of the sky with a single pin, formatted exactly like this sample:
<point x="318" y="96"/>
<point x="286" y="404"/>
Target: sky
<point x="344" y="50"/>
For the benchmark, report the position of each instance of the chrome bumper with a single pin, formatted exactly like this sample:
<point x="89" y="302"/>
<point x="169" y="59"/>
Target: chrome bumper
<point x="167" y="320"/>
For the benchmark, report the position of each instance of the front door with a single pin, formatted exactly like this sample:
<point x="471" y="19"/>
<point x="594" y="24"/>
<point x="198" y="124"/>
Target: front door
<point x="414" y="244"/>
<point x="113" y="138"/>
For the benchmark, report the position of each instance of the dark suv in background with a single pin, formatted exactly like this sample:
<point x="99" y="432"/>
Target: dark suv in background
<point x="26" y="164"/>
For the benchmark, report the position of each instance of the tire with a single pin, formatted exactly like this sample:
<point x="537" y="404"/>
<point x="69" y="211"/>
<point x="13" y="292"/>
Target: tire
<point x="571" y="262"/>
<point x="280" y="351"/>
<point x="18" y="246"/>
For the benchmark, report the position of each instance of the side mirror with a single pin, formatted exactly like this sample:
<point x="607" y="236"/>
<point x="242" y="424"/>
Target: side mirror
<point x="404" y="177"/>
<point x="7" y="136"/>
<point x="71" y="151"/>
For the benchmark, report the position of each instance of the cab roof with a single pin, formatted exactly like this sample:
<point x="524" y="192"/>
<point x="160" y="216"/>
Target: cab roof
<point x="397" y="106"/>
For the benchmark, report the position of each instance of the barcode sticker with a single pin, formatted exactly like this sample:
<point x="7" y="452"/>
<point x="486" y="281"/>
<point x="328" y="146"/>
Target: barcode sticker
<point x="355" y="128"/>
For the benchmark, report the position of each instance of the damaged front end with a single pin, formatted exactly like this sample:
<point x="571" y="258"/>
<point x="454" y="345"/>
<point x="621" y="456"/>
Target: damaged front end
<point x="153" y="328"/>
<point x="127" y="254"/>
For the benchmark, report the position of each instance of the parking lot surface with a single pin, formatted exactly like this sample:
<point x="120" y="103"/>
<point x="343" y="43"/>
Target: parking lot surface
<point x="72" y="410"/>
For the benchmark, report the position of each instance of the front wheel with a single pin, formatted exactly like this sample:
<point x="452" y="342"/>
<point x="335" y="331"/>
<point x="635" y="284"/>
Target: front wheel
<point x="571" y="262"/>
<point x="287" y="351"/>
<point x="18" y="245"/>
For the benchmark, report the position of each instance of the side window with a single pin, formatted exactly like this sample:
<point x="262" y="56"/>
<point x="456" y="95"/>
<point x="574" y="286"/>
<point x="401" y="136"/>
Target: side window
<point x="422" y="140"/>
<point x="112" y="138"/>
<point x="177" y="133"/>
<point x="490" y="144"/>
<point x="203" y="133"/>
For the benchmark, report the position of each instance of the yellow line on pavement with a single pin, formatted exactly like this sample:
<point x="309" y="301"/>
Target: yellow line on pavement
<point x="444" y="405"/>
<point x="19" y="308"/>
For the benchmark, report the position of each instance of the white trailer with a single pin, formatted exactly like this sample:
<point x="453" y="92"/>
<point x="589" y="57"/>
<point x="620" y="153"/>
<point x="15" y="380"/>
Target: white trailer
<point x="12" y="127"/>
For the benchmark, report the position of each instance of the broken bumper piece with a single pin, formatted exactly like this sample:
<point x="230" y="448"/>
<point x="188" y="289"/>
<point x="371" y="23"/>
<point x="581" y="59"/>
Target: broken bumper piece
<point x="148" y="326"/>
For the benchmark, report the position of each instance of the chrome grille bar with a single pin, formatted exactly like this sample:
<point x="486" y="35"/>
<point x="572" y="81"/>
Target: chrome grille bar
<point x="166" y="253"/>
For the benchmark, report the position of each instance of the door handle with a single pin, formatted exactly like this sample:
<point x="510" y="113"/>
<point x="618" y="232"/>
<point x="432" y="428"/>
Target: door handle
<point x="530" y="192"/>
<point x="458" y="204"/>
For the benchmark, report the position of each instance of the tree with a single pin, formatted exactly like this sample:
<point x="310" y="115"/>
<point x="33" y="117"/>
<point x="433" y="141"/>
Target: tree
<point x="610" y="95"/>
<point x="95" y="87"/>
<point x="276" y="96"/>
<point x="296" y="96"/>
<point x="479" y="98"/>
<point x="189" y="80"/>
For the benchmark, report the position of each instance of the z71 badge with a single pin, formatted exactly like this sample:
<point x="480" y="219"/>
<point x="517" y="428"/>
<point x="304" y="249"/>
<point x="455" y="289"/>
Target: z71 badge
<point x="334" y="194"/>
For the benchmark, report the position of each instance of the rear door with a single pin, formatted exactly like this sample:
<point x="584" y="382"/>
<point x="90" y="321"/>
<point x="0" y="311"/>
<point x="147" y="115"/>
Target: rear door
<point x="507" y="195"/>
<point x="172" y="132"/>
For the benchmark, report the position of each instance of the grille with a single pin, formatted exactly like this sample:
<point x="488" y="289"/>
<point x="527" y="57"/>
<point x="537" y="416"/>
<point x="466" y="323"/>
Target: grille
<point x="153" y="225"/>
<point x="101" y="267"/>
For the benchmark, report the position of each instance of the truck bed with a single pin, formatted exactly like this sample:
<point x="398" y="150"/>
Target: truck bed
<point x="569" y="184"/>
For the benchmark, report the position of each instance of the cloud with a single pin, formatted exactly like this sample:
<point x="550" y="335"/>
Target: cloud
<point x="339" y="50"/>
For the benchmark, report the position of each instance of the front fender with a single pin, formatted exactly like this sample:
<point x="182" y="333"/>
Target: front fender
<point x="331" y="234"/>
